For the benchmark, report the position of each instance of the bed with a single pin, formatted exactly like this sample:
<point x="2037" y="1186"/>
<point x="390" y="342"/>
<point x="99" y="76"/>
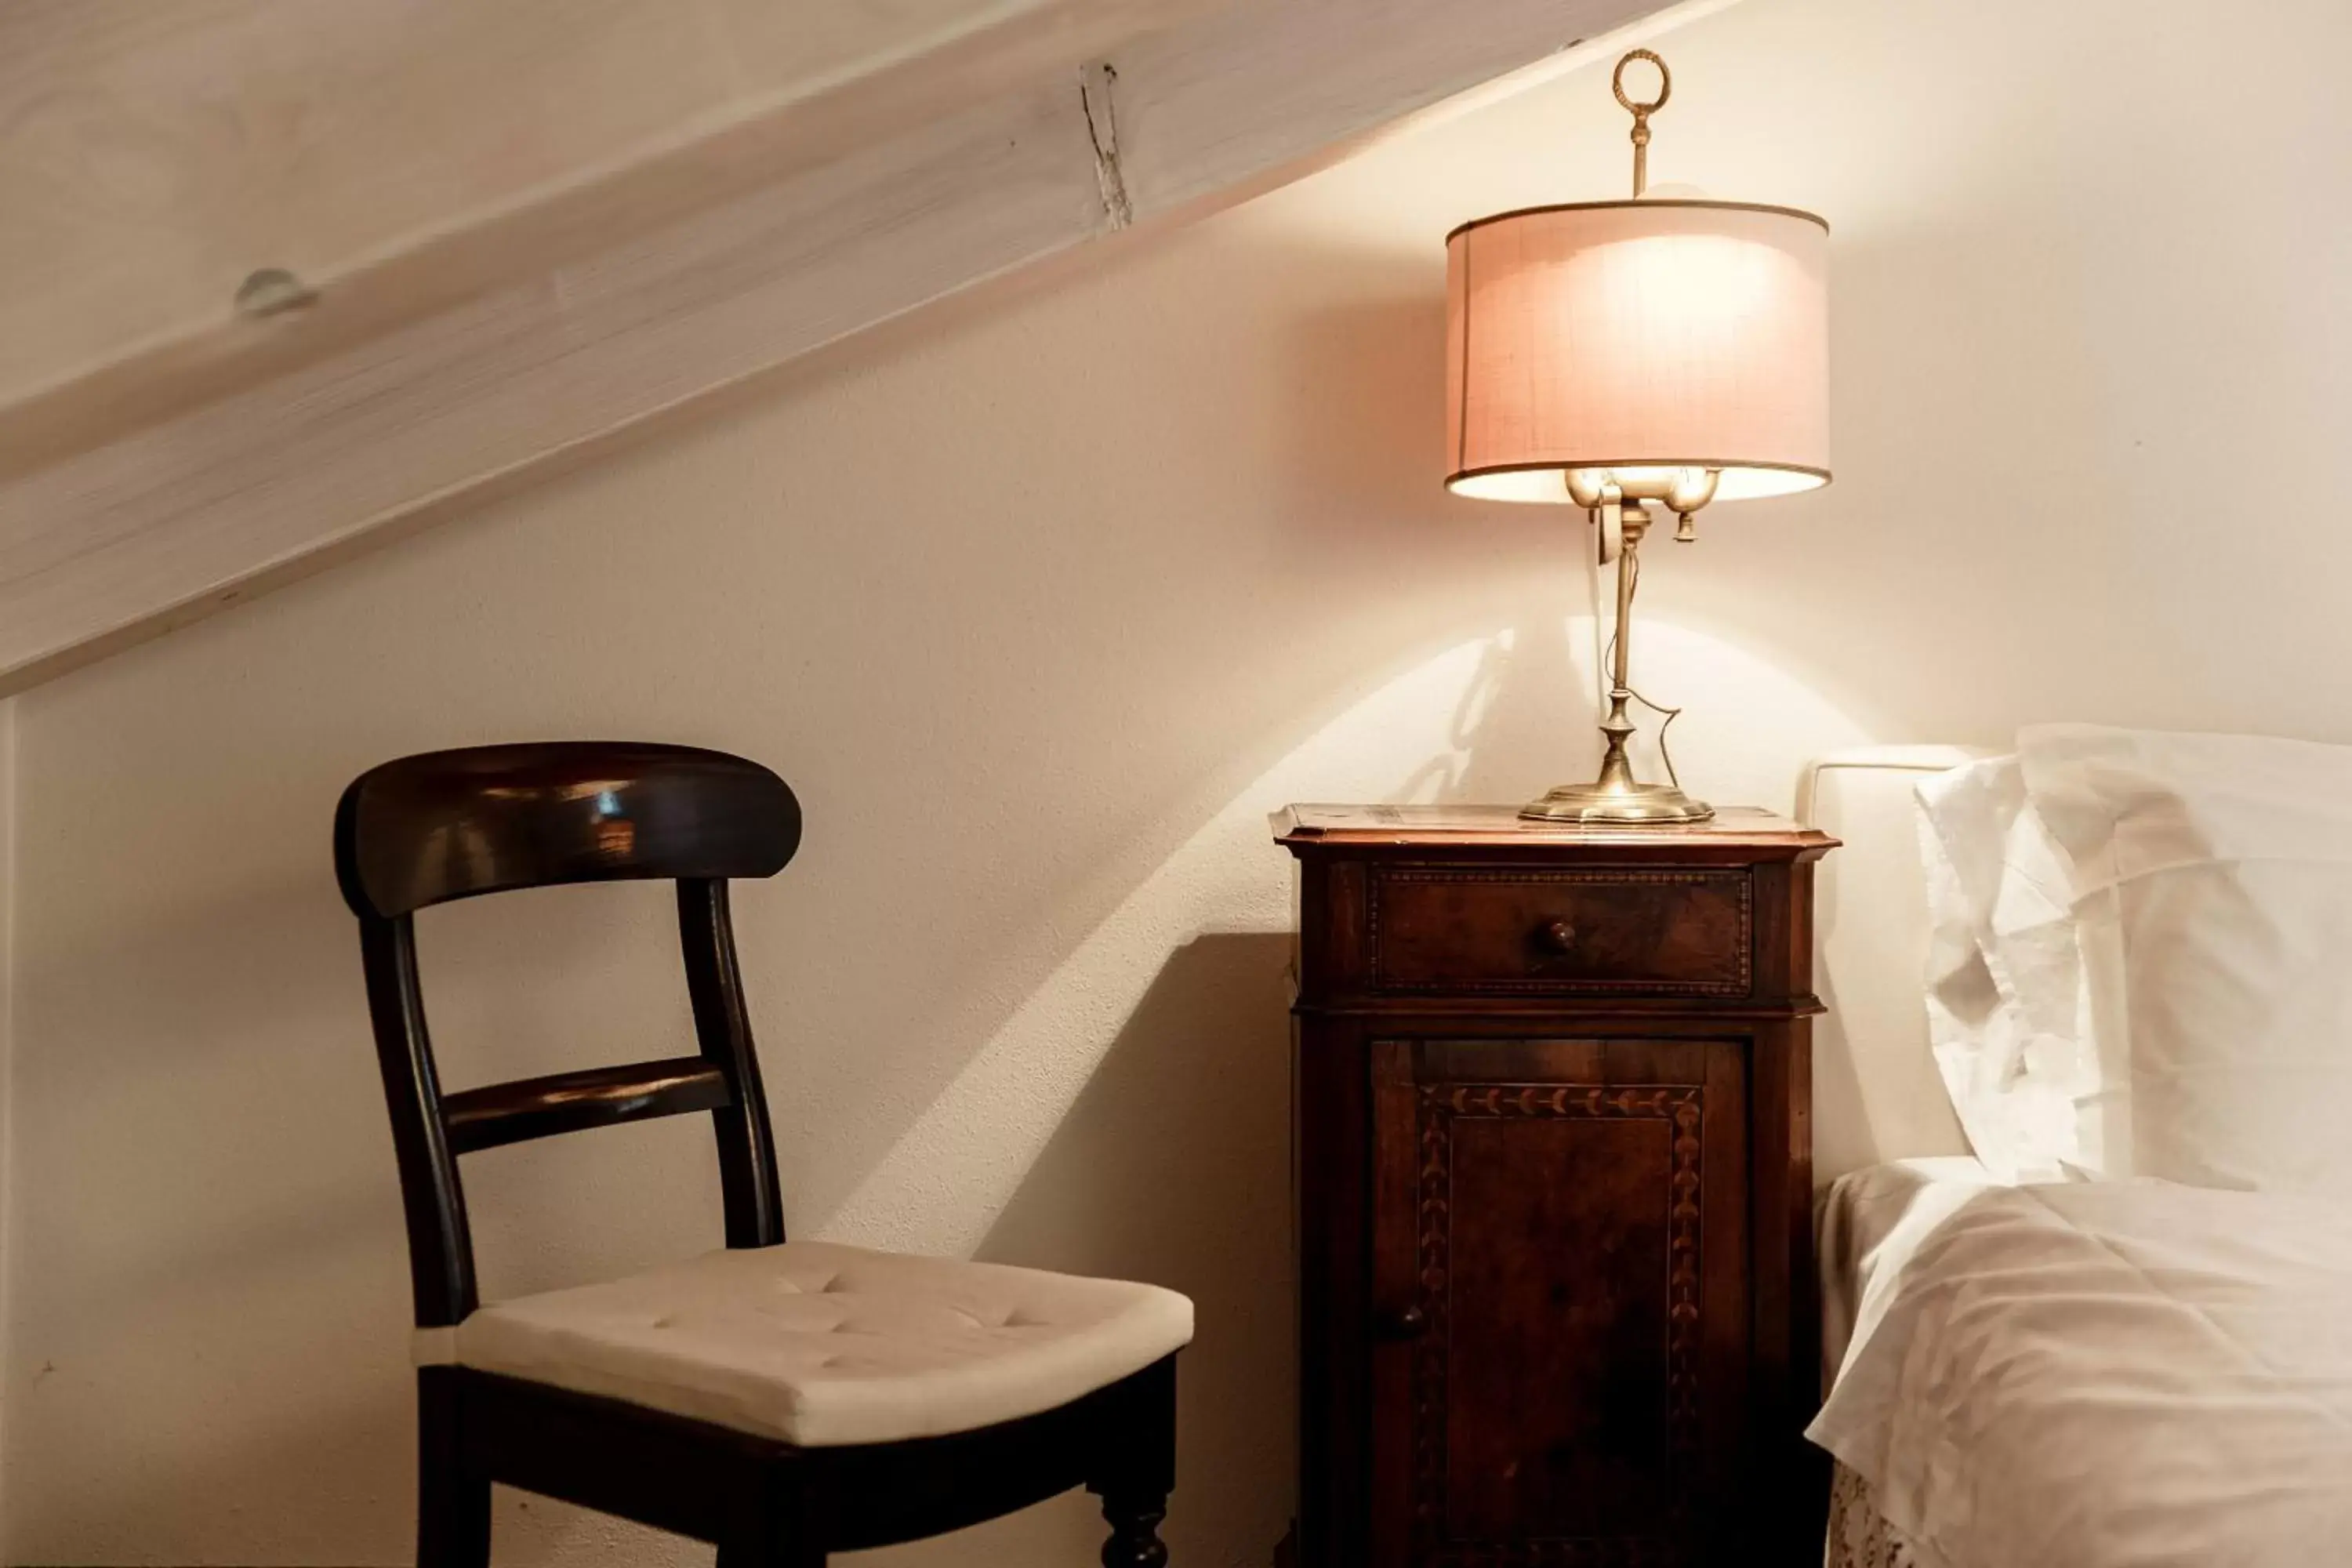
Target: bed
<point x="2127" y="1370"/>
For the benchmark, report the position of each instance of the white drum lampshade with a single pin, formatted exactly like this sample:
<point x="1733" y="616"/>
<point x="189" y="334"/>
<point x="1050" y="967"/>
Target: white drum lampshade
<point x="1637" y="336"/>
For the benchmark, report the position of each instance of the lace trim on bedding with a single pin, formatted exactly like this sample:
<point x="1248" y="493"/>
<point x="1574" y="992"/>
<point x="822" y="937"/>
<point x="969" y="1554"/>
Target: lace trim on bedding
<point x="1858" y="1537"/>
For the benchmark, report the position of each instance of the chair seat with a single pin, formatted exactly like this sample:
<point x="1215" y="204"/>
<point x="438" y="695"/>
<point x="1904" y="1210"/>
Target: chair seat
<point x="823" y="1345"/>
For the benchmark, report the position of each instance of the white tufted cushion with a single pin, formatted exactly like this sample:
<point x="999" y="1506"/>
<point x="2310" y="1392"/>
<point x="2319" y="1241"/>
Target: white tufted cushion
<point x="823" y="1345"/>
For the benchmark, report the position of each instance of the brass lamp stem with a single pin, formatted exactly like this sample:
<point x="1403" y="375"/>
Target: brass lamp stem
<point x="1635" y="524"/>
<point x="1642" y="112"/>
<point x="1616" y="768"/>
<point x="1614" y="499"/>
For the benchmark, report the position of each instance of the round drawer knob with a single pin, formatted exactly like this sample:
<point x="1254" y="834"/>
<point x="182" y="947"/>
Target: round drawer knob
<point x="1406" y="1324"/>
<point x="1560" y="936"/>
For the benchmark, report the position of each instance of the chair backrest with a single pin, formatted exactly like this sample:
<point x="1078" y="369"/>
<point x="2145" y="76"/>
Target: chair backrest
<point x="426" y="829"/>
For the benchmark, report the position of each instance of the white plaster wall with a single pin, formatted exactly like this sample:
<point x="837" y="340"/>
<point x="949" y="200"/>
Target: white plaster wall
<point x="1041" y="604"/>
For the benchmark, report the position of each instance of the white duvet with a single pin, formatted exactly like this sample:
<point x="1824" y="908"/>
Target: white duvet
<point x="2107" y="1373"/>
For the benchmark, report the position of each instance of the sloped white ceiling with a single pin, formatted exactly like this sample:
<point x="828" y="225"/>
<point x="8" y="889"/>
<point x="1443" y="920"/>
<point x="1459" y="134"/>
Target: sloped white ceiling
<point x="511" y="230"/>
<point x="156" y="152"/>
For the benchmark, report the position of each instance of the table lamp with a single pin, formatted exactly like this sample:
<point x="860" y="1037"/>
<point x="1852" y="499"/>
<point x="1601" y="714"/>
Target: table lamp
<point x="1616" y="356"/>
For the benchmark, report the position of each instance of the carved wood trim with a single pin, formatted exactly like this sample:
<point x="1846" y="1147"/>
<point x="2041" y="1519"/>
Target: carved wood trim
<point x="1740" y="985"/>
<point x="1441" y="1105"/>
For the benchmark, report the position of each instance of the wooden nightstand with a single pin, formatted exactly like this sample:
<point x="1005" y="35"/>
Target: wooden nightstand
<point x="1555" y="1187"/>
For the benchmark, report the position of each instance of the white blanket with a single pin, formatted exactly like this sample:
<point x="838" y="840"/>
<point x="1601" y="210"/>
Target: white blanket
<point x="1872" y="1221"/>
<point x="2109" y="1374"/>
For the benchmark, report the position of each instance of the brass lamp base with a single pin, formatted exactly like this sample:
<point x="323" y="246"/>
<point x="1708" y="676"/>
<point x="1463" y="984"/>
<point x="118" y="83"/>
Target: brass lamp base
<point x="1616" y="797"/>
<point x="1626" y="802"/>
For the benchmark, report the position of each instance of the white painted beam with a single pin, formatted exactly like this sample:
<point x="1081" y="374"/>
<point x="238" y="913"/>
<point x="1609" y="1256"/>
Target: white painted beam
<point x="116" y="304"/>
<point x="125" y="510"/>
<point x="157" y="151"/>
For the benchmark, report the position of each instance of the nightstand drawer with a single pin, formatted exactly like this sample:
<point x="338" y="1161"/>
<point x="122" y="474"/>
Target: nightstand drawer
<point x="1504" y="929"/>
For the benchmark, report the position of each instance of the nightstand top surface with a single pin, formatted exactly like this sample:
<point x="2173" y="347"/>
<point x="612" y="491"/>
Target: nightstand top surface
<point x="1733" y="827"/>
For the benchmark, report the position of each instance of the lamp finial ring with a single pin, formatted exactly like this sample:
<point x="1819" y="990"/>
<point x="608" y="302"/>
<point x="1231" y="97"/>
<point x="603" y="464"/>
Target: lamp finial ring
<point x="1665" y="84"/>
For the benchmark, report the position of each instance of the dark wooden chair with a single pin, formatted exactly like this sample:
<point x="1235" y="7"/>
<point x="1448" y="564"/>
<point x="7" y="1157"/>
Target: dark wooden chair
<point x="782" y="1400"/>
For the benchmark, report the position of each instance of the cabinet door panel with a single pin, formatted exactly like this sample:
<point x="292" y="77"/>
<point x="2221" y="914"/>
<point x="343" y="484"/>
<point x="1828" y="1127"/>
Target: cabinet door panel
<point x="1552" y="1348"/>
<point x="1559" y="1246"/>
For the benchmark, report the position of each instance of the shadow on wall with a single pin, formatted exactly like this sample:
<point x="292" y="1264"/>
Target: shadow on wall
<point x="1521" y="699"/>
<point x="1174" y="1166"/>
<point x="1169" y="1161"/>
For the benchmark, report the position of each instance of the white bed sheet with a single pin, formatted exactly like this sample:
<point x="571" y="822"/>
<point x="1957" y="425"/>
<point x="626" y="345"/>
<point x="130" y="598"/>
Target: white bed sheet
<point x="1871" y="1221"/>
<point x="2094" y="1374"/>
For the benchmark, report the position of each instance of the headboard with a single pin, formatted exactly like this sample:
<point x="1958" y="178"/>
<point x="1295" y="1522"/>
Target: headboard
<point x="1876" y="1095"/>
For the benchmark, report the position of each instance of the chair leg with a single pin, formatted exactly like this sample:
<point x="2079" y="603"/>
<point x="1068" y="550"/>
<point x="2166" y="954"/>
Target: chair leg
<point x="1134" y="1529"/>
<point x="1140" y="1468"/>
<point x="452" y="1508"/>
<point x="777" y="1529"/>
<point x="453" y="1523"/>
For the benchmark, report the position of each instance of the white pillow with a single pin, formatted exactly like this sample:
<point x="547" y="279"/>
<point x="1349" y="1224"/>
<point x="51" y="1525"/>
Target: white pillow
<point x="2214" y="884"/>
<point x="2007" y="1009"/>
